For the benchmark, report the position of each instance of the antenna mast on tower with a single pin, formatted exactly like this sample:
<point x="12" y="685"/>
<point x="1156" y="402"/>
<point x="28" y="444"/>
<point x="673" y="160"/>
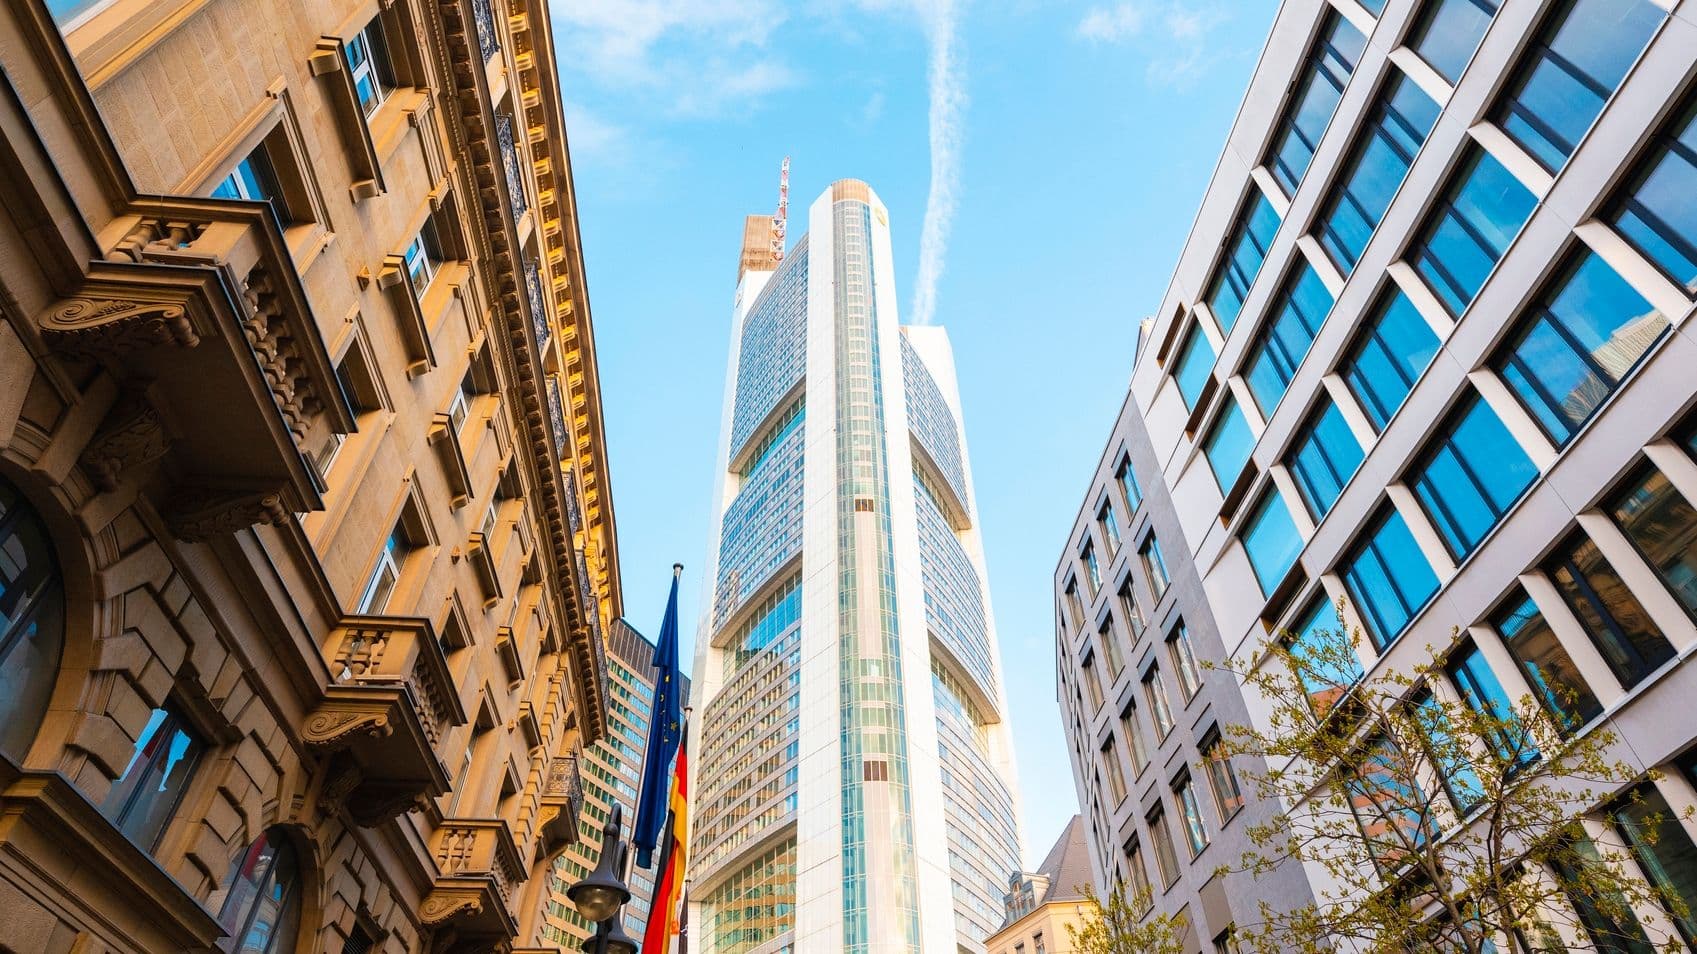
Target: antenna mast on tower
<point x="781" y="219"/>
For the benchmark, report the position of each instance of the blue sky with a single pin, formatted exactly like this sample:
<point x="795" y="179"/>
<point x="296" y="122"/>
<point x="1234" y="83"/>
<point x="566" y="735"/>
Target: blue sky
<point x="1075" y="140"/>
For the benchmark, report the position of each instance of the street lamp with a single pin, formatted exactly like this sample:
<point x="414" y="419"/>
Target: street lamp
<point x="600" y="896"/>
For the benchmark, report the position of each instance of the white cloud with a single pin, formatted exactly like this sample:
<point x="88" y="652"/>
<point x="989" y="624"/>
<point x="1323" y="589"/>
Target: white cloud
<point x="873" y="110"/>
<point x="1176" y="33"/>
<point x="1112" y="24"/>
<point x="947" y="84"/>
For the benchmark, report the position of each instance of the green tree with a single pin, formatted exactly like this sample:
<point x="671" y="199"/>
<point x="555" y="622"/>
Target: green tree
<point x="1125" y="925"/>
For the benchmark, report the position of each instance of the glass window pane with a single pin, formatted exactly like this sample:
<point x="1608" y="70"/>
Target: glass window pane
<point x="1195" y="366"/>
<point x="1613" y="618"/>
<point x="1611" y="936"/>
<point x="1577" y="344"/>
<point x="1296" y="316"/>
<point x="141" y="801"/>
<point x="1324" y="75"/>
<point x="1469" y="476"/>
<point x="1183" y="652"/>
<point x="1389" y="357"/>
<point x="1448" y="33"/>
<point x="1271" y="540"/>
<point x="1325" y="457"/>
<point x="1483" y="693"/>
<point x="32" y="622"/>
<point x="1195" y="832"/>
<point x="1128" y="486"/>
<point x="1546" y="664"/>
<point x="1392" y="135"/>
<point x="1662" y="524"/>
<point x="1658" y="214"/>
<point x="1228" y="445"/>
<point x="1325" y="660"/>
<point x="1246" y="248"/>
<point x="1571" y="69"/>
<point x="1664" y="850"/>
<point x="1388" y="578"/>
<point x="1470" y="228"/>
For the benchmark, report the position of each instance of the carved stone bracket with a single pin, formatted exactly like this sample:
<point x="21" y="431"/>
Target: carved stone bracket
<point x="201" y="514"/>
<point x="110" y="327"/>
<point x="132" y="436"/>
<point x="267" y="331"/>
<point x="443" y="906"/>
<point x="335" y="730"/>
<point x="374" y="804"/>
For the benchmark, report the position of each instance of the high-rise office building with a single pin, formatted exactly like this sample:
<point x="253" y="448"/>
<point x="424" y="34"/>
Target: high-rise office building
<point x="855" y="768"/>
<point x="1427" y="352"/>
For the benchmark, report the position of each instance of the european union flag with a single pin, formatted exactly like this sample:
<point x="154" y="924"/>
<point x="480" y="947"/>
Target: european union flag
<point x="664" y="731"/>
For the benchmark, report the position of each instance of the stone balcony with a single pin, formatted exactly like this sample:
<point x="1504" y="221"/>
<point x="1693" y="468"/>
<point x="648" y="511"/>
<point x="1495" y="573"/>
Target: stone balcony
<point x="562" y="803"/>
<point x="477" y="866"/>
<point x="385" y="714"/>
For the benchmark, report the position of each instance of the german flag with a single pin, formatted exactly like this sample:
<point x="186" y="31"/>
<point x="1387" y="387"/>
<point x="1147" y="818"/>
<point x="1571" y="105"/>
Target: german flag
<point x="665" y="915"/>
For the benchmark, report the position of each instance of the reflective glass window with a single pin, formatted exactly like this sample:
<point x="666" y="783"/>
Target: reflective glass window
<point x="1388" y="577"/>
<point x="1319" y="86"/>
<point x="142" y="800"/>
<point x="1160" y="708"/>
<point x="1183" y="653"/>
<point x="32" y="621"/>
<point x="260" y="906"/>
<point x="1325" y="661"/>
<point x="1195" y="365"/>
<point x="1449" y="31"/>
<point x="1324" y="458"/>
<point x="1664" y="850"/>
<point x="1389" y="356"/>
<point x="1228" y="445"/>
<point x="1375" y="169"/>
<point x="1472" y="225"/>
<point x="1658" y="212"/>
<point x="1297" y="313"/>
<point x="1154" y="565"/>
<point x="1190" y="813"/>
<point x="1483" y="693"/>
<point x="1271" y="540"/>
<point x="1246" y="248"/>
<point x="1576" y="344"/>
<point x="1555" y="680"/>
<point x="1615" y="621"/>
<point x="1165" y="857"/>
<point x="1222" y="778"/>
<point x="1470" y="474"/>
<point x="1613" y="928"/>
<point x="1662" y="524"/>
<point x="1128" y="486"/>
<point x="1573" y="66"/>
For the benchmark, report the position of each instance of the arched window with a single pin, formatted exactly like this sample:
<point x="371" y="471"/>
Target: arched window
<point x="32" y="621"/>
<point x="261" y="907"/>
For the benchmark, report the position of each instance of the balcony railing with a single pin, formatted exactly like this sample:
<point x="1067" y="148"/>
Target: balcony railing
<point x="538" y="305"/>
<point x="562" y="803"/>
<point x="478" y="867"/>
<point x="488" y="39"/>
<point x="510" y="164"/>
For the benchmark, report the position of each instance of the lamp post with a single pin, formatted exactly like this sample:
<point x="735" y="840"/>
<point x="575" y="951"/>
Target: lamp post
<point x="601" y="896"/>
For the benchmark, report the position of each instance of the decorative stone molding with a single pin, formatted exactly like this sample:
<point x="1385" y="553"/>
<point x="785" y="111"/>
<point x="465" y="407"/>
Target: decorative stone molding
<point x="336" y="730"/>
<point x="199" y="514"/>
<point x="266" y="327"/>
<point x="108" y="328"/>
<point x="133" y="436"/>
<point x="444" y="906"/>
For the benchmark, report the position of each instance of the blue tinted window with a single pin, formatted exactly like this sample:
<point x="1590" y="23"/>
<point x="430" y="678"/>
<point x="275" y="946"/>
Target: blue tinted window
<point x="1616" y="623"/>
<point x="1271" y="540"/>
<point x="1325" y="656"/>
<point x="1391" y="137"/>
<point x="1318" y="90"/>
<point x="1559" y="685"/>
<point x="1228" y="445"/>
<point x="1246" y="249"/>
<point x="1483" y="694"/>
<point x="1325" y="457"/>
<point x="1388" y="357"/>
<point x="1659" y="212"/>
<point x="1195" y="364"/>
<point x="1577" y="343"/>
<point x="1481" y="212"/>
<point x="1374" y="7"/>
<point x="1296" y="317"/>
<point x="1571" y="69"/>
<point x="1448" y="33"/>
<point x="1388" y="577"/>
<point x="1470" y="475"/>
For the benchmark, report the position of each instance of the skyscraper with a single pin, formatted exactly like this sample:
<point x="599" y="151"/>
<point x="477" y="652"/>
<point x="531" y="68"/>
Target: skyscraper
<point x="856" y="765"/>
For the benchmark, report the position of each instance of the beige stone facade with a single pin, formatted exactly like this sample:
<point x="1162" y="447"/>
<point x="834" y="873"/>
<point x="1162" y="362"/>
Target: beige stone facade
<point x="303" y="488"/>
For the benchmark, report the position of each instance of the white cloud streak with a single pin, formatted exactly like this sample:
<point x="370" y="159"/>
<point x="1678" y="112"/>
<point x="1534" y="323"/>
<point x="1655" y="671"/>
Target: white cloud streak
<point x="946" y="77"/>
<point x="1175" y="33"/>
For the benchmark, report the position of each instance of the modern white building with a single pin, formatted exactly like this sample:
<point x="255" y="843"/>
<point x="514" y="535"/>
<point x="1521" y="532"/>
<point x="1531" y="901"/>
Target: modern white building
<point x="855" y="765"/>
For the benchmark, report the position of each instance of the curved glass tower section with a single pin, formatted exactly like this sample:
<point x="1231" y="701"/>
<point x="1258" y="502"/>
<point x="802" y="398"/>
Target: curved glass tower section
<point x="856" y="782"/>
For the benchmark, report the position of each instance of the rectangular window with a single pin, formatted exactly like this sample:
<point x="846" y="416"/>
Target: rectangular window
<point x="1297" y="313"/>
<point x="1141" y="896"/>
<point x="1092" y="570"/>
<point x="459" y="408"/>
<point x="1133" y="613"/>
<point x="1133" y="736"/>
<point x="1388" y="804"/>
<point x="1271" y="541"/>
<point x="142" y="800"/>
<point x="1183" y="653"/>
<point x="1228" y="445"/>
<point x="1128" y="486"/>
<point x="1450" y="754"/>
<point x="1662" y="525"/>
<point x="1615" y="621"/>
<point x="1190" y="814"/>
<point x="1388" y="577"/>
<point x="1484" y="694"/>
<point x="1394" y="132"/>
<point x="1613" y="927"/>
<point x="1658" y="212"/>
<point x="1195" y="367"/>
<point x="1222" y="778"/>
<point x="1092" y="683"/>
<point x="253" y="178"/>
<point x="1389" y="356"/>
<point x="1467" y="232"/>
<point x="373" y="72"/>
<point x="1319" y="86"/>
<point x="1246" y="248"/>
<point x="1324" y="458"/>
<point x="424" y="256"/>
<point x="1074" y="606"/>
<point x="1470" y="474"/>
<point x="1555" y="680"/>
<point x="1154" y="566"/>
<point x="1110" y="648"/>
<point x="1576" y="344"/>
<point x="1165" y="857"/>
<point x="1110" y="526"/>
<point x="1664" y="850"/>
<point x="1116" y="772"/>
<point x="1325" y="660"/>
<point x="1155" y="693"/>
<point x="387" y="574"/>
<point x="1570" y="70"/>
<point x="1448" y="33"/>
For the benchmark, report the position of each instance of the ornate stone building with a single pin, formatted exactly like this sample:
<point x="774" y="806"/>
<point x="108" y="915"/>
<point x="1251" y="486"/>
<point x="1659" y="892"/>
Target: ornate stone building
<point x="306" y="548"/>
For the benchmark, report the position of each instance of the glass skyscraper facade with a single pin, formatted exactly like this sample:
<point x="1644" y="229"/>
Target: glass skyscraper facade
<point x="856" y="767"/>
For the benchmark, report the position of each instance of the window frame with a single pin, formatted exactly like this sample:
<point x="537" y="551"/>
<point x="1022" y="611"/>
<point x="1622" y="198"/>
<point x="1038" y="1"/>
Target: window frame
<point x="1365" y="540"/>
<point x="1439" y="507"/>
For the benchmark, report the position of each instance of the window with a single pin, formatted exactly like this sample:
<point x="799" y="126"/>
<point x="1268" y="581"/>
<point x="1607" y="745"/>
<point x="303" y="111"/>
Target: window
<point x="1389" y="356"/>
<point x="1074" y="605"/>
<point x="1470" y="228"/>
<point x="459" y="408"/>
<point x="1133" y="612"/>
<point x="1092" y="571"/>
<point x="1116" y="772"/>
<point x="1658" y="213"/>
<point x="1228" y="445"/>
<point x="1195" y="366"/>
<point x="1613" y="618"/>
<point x="1555" y="680"/>
<point x="1613" y="928"/>
<point x="1470" y="474"/>
<point x="1450" y="754"/>
<point x="1484" y="694"/>
<point x="1325" y="457"/>
<point x="1141" y="895"/>
<point x="32" y="621"/>
<point x="1222" y="778"/>
<point x="1037" y="944"/>
<point x="141" y="801"/>
<point x="1449" y="31"/>
<point x="1110" y="526"/>
<point x="1388" y="577"/>
<point x="1387" y="803"/>
<point x="1110" y="648"/>
<point x="1154" y="566"/>
<point x="387" y="574"/>
<point x="1183" y="654"/>
<point x="1664" y="850"/>
<point x="1155" y="692"/>
<point x="1246" y="248"/>
<point x="1326" y="72"/>
<point x="373" y="74"/>
<point x="1576" y="345"/>
<point x="1662" y="524"/>
<point x="1166" y="859"/>
<point x="1128" y="486"/>
<point x="1190" y="813"/>
<point x="1394" y="132"/>
<point x="1133" y="736"/>
<point x="424" y="256"/>
<point x="1297" y="314"/>
<point x="253" y="178"/>
<point x="1325" y="660"/>
<point x="260" y="906"/>
<point x="1092" y="684"/>
<point x="1271" y="541"/>
<point x="1570" y="70"/>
